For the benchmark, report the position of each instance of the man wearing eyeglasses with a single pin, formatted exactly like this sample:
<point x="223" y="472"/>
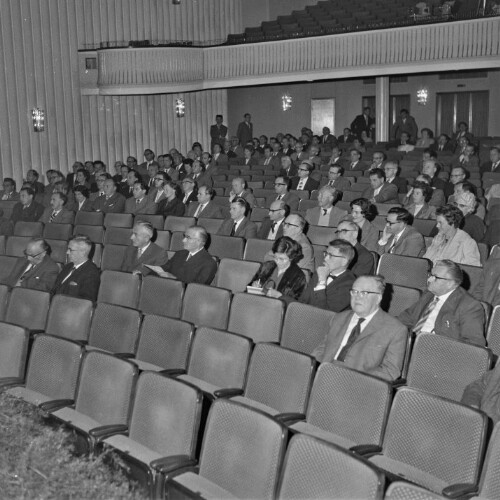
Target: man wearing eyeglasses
<point x="303" y="181"/>
<point x="36" y="269"/>
<point x="446" y="308"/>
<point x="281" y="188"/>
<point x="366" y="339"/>
<point x="272" y="226"/>
<point x="326" y="214"/>
<point x="363" y="262"/>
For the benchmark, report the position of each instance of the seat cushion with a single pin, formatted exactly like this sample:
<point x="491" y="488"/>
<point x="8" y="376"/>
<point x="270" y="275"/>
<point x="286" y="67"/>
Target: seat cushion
<point x="28" y="395"/>
<point x="133" y="448"/>
<point x="77" y="419"/>
<point x="204" y="487"/>
<point x="256" y="405"/>
<point x="312" y="430"/>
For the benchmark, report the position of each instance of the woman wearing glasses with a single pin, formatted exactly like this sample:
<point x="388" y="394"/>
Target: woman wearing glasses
<point x="361" y="211"/>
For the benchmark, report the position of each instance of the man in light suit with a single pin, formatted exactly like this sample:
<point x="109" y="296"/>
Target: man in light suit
<point x="391" y="169"/>
<point x="325" y="214"/>
<point x="380" y="191"/>
<point x="304" y="181"/>
<point x="205" y="207"/>
<point x="140" y="203"/>
<point x="366" y="339"/>
<point x="238" y="225"/>
<point x="111" y="201"/>
<point x="398" y="237"/>
<point x="446" y="308"/>
<point x="218" y="132"/>
<point x="281" y="188"/>
<point x="143" y="251"/>
<point x="272" y="226"/>
<point x="239" y="190"/>
<point x="269" y="160"/>
<point x="245" y="130"/>
<point x="36" y="270"/>
<point x="57" y="213"/>
<point x="337" y="180"/>
<point x="288" y="169"/>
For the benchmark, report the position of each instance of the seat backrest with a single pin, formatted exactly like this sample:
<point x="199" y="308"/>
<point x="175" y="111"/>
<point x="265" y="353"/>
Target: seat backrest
<point x="28" y="308"/>
<point x="176" y="241"/>
<point x="94" y="233"/>
<point x="259" y="214"/>
<point x="398" y="298"/>
<point x="16" y="245"/>
<point x="226" y="246"/>
<point x="237" y="439"/>
<point x="490" y="483"/>
<point x="13" y="350"/>
<point x="112" y="257"/>
<point x="118" y="220"/>
<point x="166" y="415"/>
<point x="211" y="225"/>
<point x="424" y="226"/>
<point x="176" y="223"/>
<point x="89" y="218"/>
<point x="444" y="366"/>
<point x="114" y="328"/>
<point x="257" y="317"/>
<point x="316" y="469"/>
<point x="54" y="366"/>
<point x="154" y="290"/>
<point x="7" y="263"/>
<point x="206" y="306"/>
<point x="493" y="333"/>
<point x="162" y="239"/>
<point x="219" y="358"/>
<point x="403" y="270"/>
<point x="305" y="327"/>
<point x="118" y="236"/>
<point x="58" y="250"/>
<point x="447" y="439"/>
<point x="156" y="221"/>
<point x="119" y="288"/>
<point x="31" y="229"/>
<point x="256" y="249"/>
<point x="235" y="274"/>
<point x="473" y="276"/>
<point x="69" y="317"/>
<point x="349" y="403"/>
<point x="279" y="378"/>
<point x="319" y="235"/>
<point x="164" y="342"/>
<point x="4" y="300"/>
<point x="58" y="231"/>
<point x="105" y="388"/>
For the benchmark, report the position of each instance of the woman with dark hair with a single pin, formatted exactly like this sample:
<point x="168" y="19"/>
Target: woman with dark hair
<point x="418" y="205"/>
<point x="426" y="139"/>
<point x="248" y="158"/>
<point x="172" y="203"/>
<point x="83" y="204"/>
<point x="451" y="242"/>
<point x="362" y="212"/>
<point x="282" y="276"/>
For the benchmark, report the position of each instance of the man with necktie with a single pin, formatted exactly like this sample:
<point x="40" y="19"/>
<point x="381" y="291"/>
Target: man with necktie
<point x="272" y="226"/>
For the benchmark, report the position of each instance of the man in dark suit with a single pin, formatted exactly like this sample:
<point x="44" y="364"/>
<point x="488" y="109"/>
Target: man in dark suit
<point x="140" y="203"/>
<point x="366" y="339"/>
<point x="143" y="251"/>
<point x="111" y="201"/>
<point x="32" y="177"/>
<point x="36" y="270"/>
<point x="219" y="158"/>
<point x="355" y="162"/>
<point x="57" y="213"/>
<point x="446" y="308"/>
<point x="328" y="140"/>
<point x="405" y="123"/>
<point x="9" y="192"/>
<point x="218" y="132"/>
<point x="494" y="164"/>
<point x="240" y="190"/>
<point x="80" y="277"/>
<point x="272" y="226"/>
<point x="189" y="190"/>
<point x="238" y="224"/>
<point x="303" y="181"/>
<point x="337" y="180"/>
<point x="363" y="262"/>
<point x="331" y="282"/>
<point x="363" y="122"/>
<point x="379" y="190"/>
<point x="288" y="169"/>
<point x="205" y="207"/>
<point x="347" y="137"/>
<point x="245" y="130"/>
<point x="398" y="237"/>
<point x="442" y="144"/>
<point x="193" y="264"/>
<point x="431" y="168"/>
<point x="391" y="169"/>
<point x="281" y="188"/>
<point x="142" y="169"/>
<point x="269" y="160"/>
<point x="27" y="209"/>
<point x="326" y="214"/>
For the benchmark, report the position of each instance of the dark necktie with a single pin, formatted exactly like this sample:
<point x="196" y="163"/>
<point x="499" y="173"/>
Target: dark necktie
<point x="233" y="230"/>
<point x="324" y="211"/>
<point x="53" y="216"/>
<point x="350" y="341"/>
<point x="273" y="226"/>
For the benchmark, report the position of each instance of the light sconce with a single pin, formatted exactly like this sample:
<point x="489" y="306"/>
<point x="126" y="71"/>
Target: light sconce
<point x="176" y="2"/>
<point x="180" y="108"/>
<point x="422" y="96"/>
<point x="286" y="102"/>
<point x="38" y="117"/>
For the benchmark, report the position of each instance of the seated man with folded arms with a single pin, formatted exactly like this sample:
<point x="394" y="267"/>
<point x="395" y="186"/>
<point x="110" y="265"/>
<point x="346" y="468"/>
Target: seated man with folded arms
<point x="446" y="308"/>
<point x="366" y="339"/>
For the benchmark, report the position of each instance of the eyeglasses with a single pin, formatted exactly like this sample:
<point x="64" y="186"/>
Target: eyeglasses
<point x="279" y="184"/>
<point x="361" y="293"/>
<point x="282" y="259"/>
<point x="26" y="254"/>
<point x="304" y="169"/>
<point x="328" y="254"/>
<point x="392" y="223"/>
<point x="344" y="230"/>
<point x="187" y="237"/>
<point x="290" y="224"/>
<point x="278" y="210"/>
<point x="430" y="275"/>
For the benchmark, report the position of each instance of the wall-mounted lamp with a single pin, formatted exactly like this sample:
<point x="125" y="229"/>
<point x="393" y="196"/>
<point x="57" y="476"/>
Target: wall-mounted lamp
<point x="180" y="108"/>
<point x="176" y="2"/>
<point x="38" y="117"/>
<point x="286" y="102"/>
<point x="422" y="96"/>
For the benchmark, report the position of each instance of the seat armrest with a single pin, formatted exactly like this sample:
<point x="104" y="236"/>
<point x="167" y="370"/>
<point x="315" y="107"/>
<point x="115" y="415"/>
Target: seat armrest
<point x="55" y="404"/>
<point x="124" y="355"/>
<point x="289" y="418"/>
<point x="173" y="372"/>
<point x="36" y="332"/>
<point x="366" y="450"/>
<point x="105" y="431"/>
<point x="400" y="382"/>
<point x="7" y="382"/>
<point x="228" y="393"/>
<point x="460" y="490"/>
<point x="165" y="465"/>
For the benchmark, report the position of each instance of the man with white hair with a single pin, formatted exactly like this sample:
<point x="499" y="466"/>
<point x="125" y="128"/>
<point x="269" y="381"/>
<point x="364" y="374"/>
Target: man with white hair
<point x="239" y="190"/>
<point x="471" y="224"/>
<point x="325" y="214"/>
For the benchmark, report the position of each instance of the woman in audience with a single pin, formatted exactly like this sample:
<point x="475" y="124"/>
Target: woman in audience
<point x="426" y="139"/>
<point x="451" y="242"/>
<point x="471" y="224"/>
<point x="361" y="211"/>
<point x="421" y="193"/>
<point x="359" y="145"/>
<point x="365" y="138"/>
<point x="248" y="157"/>
<point x="282" y="277"/>
<point x="83" y="204"/>
<point x="171" y="204"/>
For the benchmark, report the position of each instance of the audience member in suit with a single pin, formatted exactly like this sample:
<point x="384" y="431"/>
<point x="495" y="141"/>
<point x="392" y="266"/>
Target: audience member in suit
<point x="142" y="169"/>
<point x="404" y="123"/>
<point x="378" y="159"/>
<point x="418" y="198"/>
<point x="282" y="278"/>
<point x="326" y="214"/>
<point x="80" y="276"/>
<point x="245" y="130"/>
<point x="364" y="122"/>
<point x="63" y="187"/>
<point x="240" y="190"/>
<point x="299" y="156"/>
<point x="446" y="308"/>
<point x="189" y="190"/>
<point x="337" y="180"/>
<point x="169" y="168"/>
<point x="6" y="225"/>
<point x="236" y="148"/>
<point x="471" y="224"/>
<point x="366" y="338"/>
<point x="313" y="156"/>
<point x="218" y="132"/>
<point x="272" y="226"/>
<point x="461" y="133"/>
<point x="111" y="201"/>
<point x="380" y="191"/>
<point x="54" y="176"/>
<point x="140" y="203"/>
<point x="328" y="140"/>
<point x="494" y="164"/>
<point x="122" y="171"/>
<point x="399" y="237"/>
<point x="347" y="137"/>
<point x="442" y="144"/>
<point x="143" y="251"/>
<point x="205" y="207"/>
<point x="99" y="182"/>
<point x="431" y="168"/>
<point x="219" y="158"/>
<point x="210" y="168"/>
<point x="304" y="181"/>
<point x="363" y="262"/>
<point x="32" y="177"/>
<point x="238" y="225"/>
<point x="179" y="166"/>
<point x="193" y="264"/>
<point x="57" y="213"/>
<point x="83" y="204"/>
<point x="355" y="162"/>
<point x="171" y="204"/>
<point x="391" y="169"/>
<point x="82" y="178"/>
<point x="335" y="157"/>
<point x="268" y="160"/>
<point x="248" y="159"/>
<point x="281" y="188"/>
<point x="200" y="175"/>
<point x="9" y="192"/>
<point x="36" y="270"/>
<point x="288" y="169"/>
<point x="26" y="210"/>
<point x="331" y="282"/>
<point x="361" y="211"/>
<point x="157" y="193"/>
<point x="153" y="169"/>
